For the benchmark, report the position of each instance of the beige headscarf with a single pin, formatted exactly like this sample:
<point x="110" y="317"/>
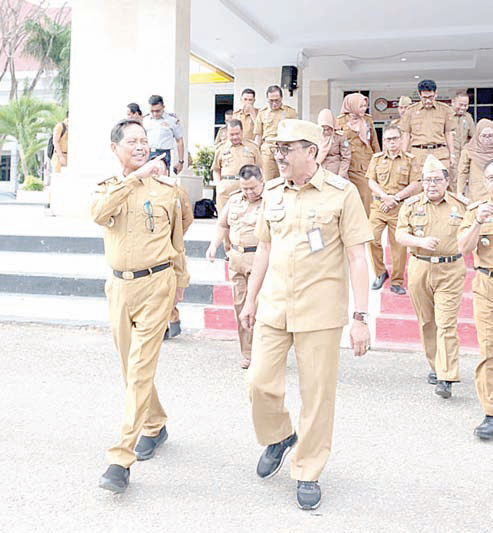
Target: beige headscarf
<point x="351" y="105"/>
<point x="326" y="118"/>
<point x="480" y="153"/>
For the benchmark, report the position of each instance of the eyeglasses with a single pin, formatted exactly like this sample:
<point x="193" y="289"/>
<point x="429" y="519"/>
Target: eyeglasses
<point x="435" y="181"/>
<point x="150" y="217"/>
<point x="486" y="135"/>
<point x="283" y="150"/>
<point x="388" y="139"/>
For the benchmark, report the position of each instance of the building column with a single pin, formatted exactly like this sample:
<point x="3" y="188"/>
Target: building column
<point x="122" y="51"/>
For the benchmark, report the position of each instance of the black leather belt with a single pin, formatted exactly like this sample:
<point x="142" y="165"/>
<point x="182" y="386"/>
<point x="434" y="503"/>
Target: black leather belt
<point x="141" y="273"/>
<point x="485" y="271"/>
<point x="428" y="146"/>
<point x="230" y="177"/>
<point x="437" y="259"/>
<point x="244" y="250"/>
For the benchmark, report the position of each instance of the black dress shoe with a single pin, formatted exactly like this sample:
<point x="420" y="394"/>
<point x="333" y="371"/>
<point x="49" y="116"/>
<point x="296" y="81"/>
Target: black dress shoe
<point x="443" y="389"/>
<point x="115" y="478"/>
<point x="147" y="446"/>
<point x="432" y="377"/>
<point x="398" y="289"/>
<point x="379" y="281"/>
<point x="485" y="429"/>
<point x="308" y="495"/>
<point x="271" y="460"/>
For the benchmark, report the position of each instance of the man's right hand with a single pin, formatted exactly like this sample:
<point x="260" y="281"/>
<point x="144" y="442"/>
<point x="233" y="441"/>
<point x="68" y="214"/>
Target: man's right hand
<point x="485" y="211"/>
<point x="210" y="254"/>
<point x="429" y="243"/>
<point x="154" y="167"/>
<point x="247" y="315"/>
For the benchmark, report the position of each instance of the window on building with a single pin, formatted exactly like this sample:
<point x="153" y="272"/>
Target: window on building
<point x="481" y="102"/>
<point x="223" y="102"/>
<point x="5" y="168"/>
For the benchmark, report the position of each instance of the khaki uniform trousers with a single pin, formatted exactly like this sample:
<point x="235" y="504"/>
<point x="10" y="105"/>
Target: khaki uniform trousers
<point x="421" y="154"/>
<point x="378" y="221"/>
<point x="482" y="287"/>
<point x="238" y="276"/>
<point x="436" y="291"/>
<point x="317" y="355"/>
<point x="224" y="189"/>
<point x="358" y="177"/>
<point x="270" y="170"/>
<point x="139" y="313"/>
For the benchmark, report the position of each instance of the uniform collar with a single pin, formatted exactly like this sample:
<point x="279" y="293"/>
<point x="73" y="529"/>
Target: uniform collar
<point x="387" y="155"/>
<point x="316" y="180"/>
<point x="227" y="144"/>
<point x="421" y="106"/>
<point x="446" y="199"/>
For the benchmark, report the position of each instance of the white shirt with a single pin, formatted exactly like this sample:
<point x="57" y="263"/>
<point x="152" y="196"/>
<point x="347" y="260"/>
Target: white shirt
<point x="162" y="131"/>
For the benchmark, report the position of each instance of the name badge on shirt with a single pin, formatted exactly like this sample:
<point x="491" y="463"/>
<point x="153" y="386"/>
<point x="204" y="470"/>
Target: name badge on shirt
<point x="315" y="239"/>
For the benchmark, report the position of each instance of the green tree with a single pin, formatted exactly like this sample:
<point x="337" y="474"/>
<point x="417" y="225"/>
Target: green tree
<point x="48" y="41"/>
<point x="29" y="121"/>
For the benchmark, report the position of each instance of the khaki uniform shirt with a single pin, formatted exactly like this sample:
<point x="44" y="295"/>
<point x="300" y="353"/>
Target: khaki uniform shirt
<point x="338" y="157"/>
<point x="229" y="159"/>
<point x="305" y="290"/>
<point x="221" y="136"/>
<point x="361" y="153"/>
<point x="464" y="129"/>
<point x="248" y="123"/>
<point x="483" y="254"/>
<point x="422" y="218"/>
<point x="427" y="126"/>
<point x="129" y="244"/>
<point x="268" y="120"/>
<point x="470" y="178"/>
<point x="393" y="173"/>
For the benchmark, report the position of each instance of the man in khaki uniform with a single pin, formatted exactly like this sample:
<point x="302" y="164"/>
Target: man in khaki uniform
<point x="464" y="129"/>
<point x="265" y="130"/>
<point x="238" y="220"/>
<point x="229" y="158"/>
<point x="404" y="103"/>
<point x="392" y="176"/>
<point x="140" y="211"/>
<point x="222" y="132"/>
<point x="427" y="128"/>
<point x="428" y="225"/>
<point x="476" y="235"/>
<point x="247" y="114"/>
<point x="174" y="326"/>
<point x="312" y="229"/>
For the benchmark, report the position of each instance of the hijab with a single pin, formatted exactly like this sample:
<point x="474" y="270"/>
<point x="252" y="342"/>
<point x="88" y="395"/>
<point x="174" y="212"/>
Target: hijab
<point x="326" y="118"/>
<point x="480" y="153"/>
<point x="351" y="104"/>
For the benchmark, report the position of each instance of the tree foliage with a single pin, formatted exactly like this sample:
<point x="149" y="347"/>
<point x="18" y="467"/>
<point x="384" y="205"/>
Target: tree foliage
<point x="29" y="121"/>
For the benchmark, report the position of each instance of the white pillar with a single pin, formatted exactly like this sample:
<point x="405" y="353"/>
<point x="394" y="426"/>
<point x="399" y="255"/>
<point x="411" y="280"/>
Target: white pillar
<point x="122" y="51"/>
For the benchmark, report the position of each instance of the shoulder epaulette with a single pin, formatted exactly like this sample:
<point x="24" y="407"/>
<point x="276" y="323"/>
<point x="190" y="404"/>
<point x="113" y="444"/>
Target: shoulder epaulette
<point x="263" y="108"/>
<point x="165" y="180"/>
<point x="173" y="115"/>
<point x="412" y="200"/>
<point x="338" y="132"/>
<point x="341" y="115"/>
<point x="472" y="206"/>
<point x="409" y="154"/>
<point x="378" y="154"/>
<point x="108" y="180"/>
<point x="234" y="193"/>
<point x="336" y="181"/>
<point x="271" y="184"/>
<point x="460" y="198"/>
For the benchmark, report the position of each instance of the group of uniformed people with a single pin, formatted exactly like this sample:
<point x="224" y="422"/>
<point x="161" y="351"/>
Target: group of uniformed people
<point x="297" y="232"/>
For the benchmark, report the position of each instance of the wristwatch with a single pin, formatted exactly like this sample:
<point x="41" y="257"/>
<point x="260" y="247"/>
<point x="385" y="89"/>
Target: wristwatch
<point x="361" y="317"/>
<point x="181" y="162"/>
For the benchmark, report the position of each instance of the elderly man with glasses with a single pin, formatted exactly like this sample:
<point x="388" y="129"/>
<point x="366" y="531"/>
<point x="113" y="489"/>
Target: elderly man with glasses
<point x="143" y="241"/>
<point x="392" y="177"/>
<point x="428" y="225"/>
<point x="312" y="231"/>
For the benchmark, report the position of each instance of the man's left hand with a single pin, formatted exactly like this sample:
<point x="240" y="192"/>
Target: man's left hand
<point x="178" y="168"/>
<point x="360" y="338"/>
<point x="179" y="295"/>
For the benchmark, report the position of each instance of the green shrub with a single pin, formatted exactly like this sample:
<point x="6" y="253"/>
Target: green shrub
<point x="202" y="162"/>
<point x="33" y="184"/>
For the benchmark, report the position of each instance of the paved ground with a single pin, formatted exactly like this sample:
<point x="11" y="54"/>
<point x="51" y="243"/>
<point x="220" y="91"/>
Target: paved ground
<point x="403" y="460"/>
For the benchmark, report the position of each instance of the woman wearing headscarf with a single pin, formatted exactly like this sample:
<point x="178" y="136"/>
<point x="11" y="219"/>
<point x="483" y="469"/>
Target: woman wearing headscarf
<point x="473" y="158"/>
<point x="359" y="130"/>
<point x="334" y="153"/>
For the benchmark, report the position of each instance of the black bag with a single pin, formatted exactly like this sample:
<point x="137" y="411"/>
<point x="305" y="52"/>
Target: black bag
<point x="50" y="150"/>
<point x="205" y="208"/>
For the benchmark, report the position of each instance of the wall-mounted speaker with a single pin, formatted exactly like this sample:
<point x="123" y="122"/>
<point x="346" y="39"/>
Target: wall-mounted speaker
<point x="289" y="78"/>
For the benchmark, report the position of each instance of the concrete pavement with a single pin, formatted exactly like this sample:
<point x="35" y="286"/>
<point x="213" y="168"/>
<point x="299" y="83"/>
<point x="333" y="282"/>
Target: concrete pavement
<point x="402" y="459"/>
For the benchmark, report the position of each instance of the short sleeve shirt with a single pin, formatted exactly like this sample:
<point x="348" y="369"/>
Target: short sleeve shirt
<point x="161" y="132"/>
<point x="483" y="253"/>
<point x="305" y="290"/>
<point x="393" y="173"/>
<point x="428" y="126"/>
<point x="229" y="159"/>
<point x="268" y="120"/>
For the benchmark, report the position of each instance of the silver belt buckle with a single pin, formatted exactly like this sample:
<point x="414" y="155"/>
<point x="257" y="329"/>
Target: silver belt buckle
<point x="435" y="259"/>
<point x="127" y="275"/>
<point x="241" y="249"/>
